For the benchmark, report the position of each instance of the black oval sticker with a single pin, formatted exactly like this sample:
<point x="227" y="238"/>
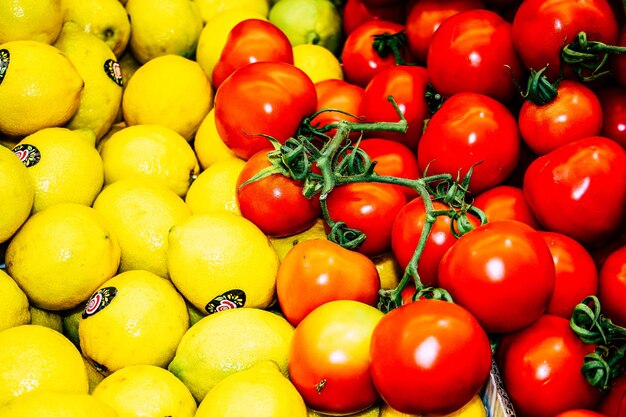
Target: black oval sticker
<point x="28" y="154"/>
<point x="5" y="57"/>
<point x="227" y="301"/>
<point x="99" y="300"/>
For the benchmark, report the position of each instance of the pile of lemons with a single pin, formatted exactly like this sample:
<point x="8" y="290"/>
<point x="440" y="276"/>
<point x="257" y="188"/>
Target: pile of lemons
<point x="119" y="225"/>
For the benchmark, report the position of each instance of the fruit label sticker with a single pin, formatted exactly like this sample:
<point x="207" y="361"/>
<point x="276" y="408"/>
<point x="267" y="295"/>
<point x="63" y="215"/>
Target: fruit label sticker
<point x="99" y="300"/>
<point x="28" y="154"/>
<point x="4" y="63"/>
<point x="229" y="300"/>
<point x="113" y="71"/>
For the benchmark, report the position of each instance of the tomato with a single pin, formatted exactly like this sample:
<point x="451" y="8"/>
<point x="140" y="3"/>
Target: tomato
<point x="338" y="95"/>
<point x="425" y="17"/>
<point x="429" y="356"/>
<point x="612" y="286"/>
<point x="370" y="208"/>
<point x="252" y="40"/>
<point x="262" y="98"/>
<point x="472" y="51"/>
<point x="470" y="128"/>
<point x="575" y="113"/>
<point x="576" y="274"/>
<point x="541" y="369"/>
<point x="318" y="271"/>
<point x="613" y="101"/>
<point x="579" y="189"/>
<point x="275" y="203"/>
<point x="355" y="12"/>
<point x="407" y="85"/>
<point x="613" y="403"/>
<point x="505" y="202"/>
<point x="580" y="413"/>
<point x="618" y="63"/>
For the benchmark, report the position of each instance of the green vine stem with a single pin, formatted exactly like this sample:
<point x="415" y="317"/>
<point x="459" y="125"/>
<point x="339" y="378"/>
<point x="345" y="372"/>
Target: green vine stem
<point x="539" y="90"/>
<point x="394" y="43"/>
<point x="585" y="55"/>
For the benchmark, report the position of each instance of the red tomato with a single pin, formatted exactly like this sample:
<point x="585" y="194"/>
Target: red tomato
<point x="356" y="13"/>
<point x="252" y="40"/>
<point x="612" y="286"/>
<point x="329" y="360"/>
<point x="407" y="85"/>
<point x="470" y="128"/>
<point x="579" y="189"/>
<point x="317" y="271"/>
<point x="541" y="369"/>
<point x="613" y="403"/>
<point x="472" y="51"/>
<point x="339" y="95"/>
<point x="429" y="356"/>
<point x="613" y="101"/>
<point x="370" y="208"/>
<point x="575" y="113"/>
<point x="576" y="274"/>
<point x="274" y="203"/>
<point x="262" y="98"/>
<point x="426" y="16"/>
<point x="580" y="413"/>
<point x="505" y="202"/>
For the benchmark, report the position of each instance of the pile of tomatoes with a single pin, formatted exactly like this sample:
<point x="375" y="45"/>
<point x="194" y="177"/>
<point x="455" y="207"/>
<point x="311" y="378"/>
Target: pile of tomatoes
<point x="482" y="144"/>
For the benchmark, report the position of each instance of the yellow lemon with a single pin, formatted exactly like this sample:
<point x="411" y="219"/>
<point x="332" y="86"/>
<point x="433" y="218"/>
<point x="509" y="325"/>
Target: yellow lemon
<point x="64" y="165"/>
<point x="35" y="358"/>
<point x="14" y="309"/>
<point x="95" y="62"/>
<point x="214" y="34"/>
<point x="211" y="8"/>
<point x="61" y="255"/>
<point x="147" y="391"/>
<point x="150" y="151"/>
<point x="474" y="408"/>
<point x="162" y="28"/>
<point x="216" y="188"/>
<point x="105" y="19"/>
<point x="170" y="91"/>
<point x="37" y="20"/>
<point x="208" y="144"/>
<point x="389" y="271"/>
<point x="141" y="212"/>
<point x="259" y="391"/>
<point x="221" y="259"/>
<point x="282" y="245"/>
<point x="134" y="318"/>
<point x="370" y="412"/>
<point x="18" y="192"/>
<point x="317" y="62"/>
<point x="229" y="341"/>
<point x="39" y="87"/>
<point x="56" y="404"/>
<point x="46" y="318"/>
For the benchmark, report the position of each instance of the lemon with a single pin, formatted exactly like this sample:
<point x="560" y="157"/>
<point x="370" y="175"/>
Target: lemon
<point x="208" y="145"/>
<point x="46" y="318"/>
<point x="37" y="20"/>
<point x="134" y="318"/>
<point x="17" y="190"/>
<point x="114" y="129"/>
<point x="220" y="259"/>
<point x="474" y="408"/>
<point x="96" y="63"/>
<point x="229" y="341"/>
<point x="164" y="27"/>
<point x="282" y="245"/>
<point x="34" y="358"/>
<point x="61" y="255"/>
<point x="370" y="412"/>
<point x="129" y="66"/>
<point x="260" y="391"/>
<point x="141" y="212"/>
<point x="389" y="271"/>
<point x="211" y="8"/>
<point x="147" y="391"/>
<point x="170" y="91"/>
<point x="39" y="87"/>
<point x="150" y="151"/>
<point x="105" y="19"/>
<point x="64" y="166"/>
<point x="56" y="404"/>
<point x="14" y="309"/>
<point x="316" y="22"/>
<point x="317" y="62"/>
<point x="215" y="33"/>
<point x="216" y="188"/>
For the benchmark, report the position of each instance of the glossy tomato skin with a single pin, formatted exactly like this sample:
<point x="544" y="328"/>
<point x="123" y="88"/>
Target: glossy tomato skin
<point x="262" y="98"/>
<point x="575" y="113"/>
<point x="612" y="286"/>
<point x="274" y="203"/>
<point x="370" y="208"/>
<point x="429" y="356"/>
<point x="579" y="189"/>
<point x="613" y="101"/>
<point x="339" y="95"/>
<point x="502" y="272"/>
<point x="407" y="85"/>
<point x="613" y="403"/>
<point x="580" y="413"/>
<point x="541" y="369"/>
<point x="355" y="12"/>
<point x="505" y="202"/>
<point x="329" y="359"/>
<point x="470" y="128"/>
<point x="470" y="52"/>
<point x="318" y="271"/>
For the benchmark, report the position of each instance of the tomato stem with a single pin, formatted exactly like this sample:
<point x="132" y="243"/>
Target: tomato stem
<point x="386" y="43"/>
<point x="585" y="55"/>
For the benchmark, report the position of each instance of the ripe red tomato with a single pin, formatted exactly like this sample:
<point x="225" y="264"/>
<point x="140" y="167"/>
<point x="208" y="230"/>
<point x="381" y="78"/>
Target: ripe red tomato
<point x="505" y="202"/>
<point x="338" y="95"/>
<point x="262" y="98"/>
<point x="579" y="189"/>
<point x="429" y="356"/>
<point x="317" y="271"/>
<point x="613" y="101"/>
<point x="472" y="51"/>
<point x="355" y="12"/>
<point x="612" y="286"/>
<point x="470" y="128"/>
<point x="613" y="403"/>
<point x="580" y="413"/>
<point x="329" y="359"/>
<point x="274" y="203"/>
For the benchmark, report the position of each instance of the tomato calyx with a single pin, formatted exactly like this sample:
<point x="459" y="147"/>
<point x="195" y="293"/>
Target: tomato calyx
<point x="539" y="90"/>
<point x="585" y="55"/>
<point x="394" y="43"/>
